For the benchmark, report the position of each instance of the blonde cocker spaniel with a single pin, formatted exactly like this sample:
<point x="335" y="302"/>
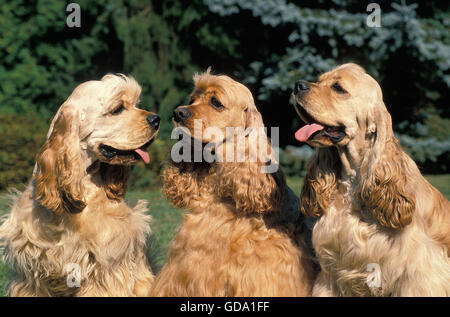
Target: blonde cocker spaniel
<point x="383" y="229"/>
<point x="243" y="235"/>
<point x="70" y="232"/>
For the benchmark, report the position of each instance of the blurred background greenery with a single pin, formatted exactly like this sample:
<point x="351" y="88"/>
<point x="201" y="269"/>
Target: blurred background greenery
<point x="265" y="44"/>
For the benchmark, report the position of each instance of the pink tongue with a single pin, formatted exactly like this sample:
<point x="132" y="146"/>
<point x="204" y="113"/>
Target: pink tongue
<point x="144" y="155"/>
<point x="304" y="133"/>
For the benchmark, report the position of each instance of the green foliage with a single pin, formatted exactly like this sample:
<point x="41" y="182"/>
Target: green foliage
<point x="438" y="127"/>
<point x="42" y="60"/>
<point x="152" y="55"/>
<point x="322" y="34"/>
<point x="429" y="144"/>
<point x="21" y="138"/>
<point x="40" y="57"/>
<point x="427" y="152"/>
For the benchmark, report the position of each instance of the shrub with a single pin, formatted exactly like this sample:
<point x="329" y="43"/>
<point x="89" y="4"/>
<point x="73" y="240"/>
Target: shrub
<point x="430" y="154"/>
<point x="20" y="139"/>
<point x="429" y="142"/>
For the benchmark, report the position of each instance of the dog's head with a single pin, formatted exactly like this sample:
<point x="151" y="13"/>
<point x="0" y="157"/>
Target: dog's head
<point x="98" y="124"/>
<point x="345" y="104"/>
<point x="218" y="102"/>
<point x="345" y="110"/>
<point x="228" y="120"/>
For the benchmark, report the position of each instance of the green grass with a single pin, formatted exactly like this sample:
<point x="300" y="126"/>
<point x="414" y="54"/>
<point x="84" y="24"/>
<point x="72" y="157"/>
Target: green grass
<point x="4" y="269"/>
<point x="295" y="183"/>
<point x="4" y="204"/>
<point x="167" y="218"/>
<point x="5" y="273"/>
<point x="441" y="182"/>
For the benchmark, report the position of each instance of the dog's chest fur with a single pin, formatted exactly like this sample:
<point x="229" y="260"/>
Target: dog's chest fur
<point x="226" y="255"/>
<point x="349" y="245"/>
<point x="358" y="257"/>
<point x="100" y="243"/>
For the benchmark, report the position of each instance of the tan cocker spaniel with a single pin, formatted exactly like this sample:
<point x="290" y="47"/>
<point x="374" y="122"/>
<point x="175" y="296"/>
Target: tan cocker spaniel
<point x="383" y="229"/>
<point x="237" y="239"/>
<point x="70" y="232"/>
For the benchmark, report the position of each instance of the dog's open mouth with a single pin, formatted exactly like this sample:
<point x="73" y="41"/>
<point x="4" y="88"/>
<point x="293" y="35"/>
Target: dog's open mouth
<point x="141" y="153"/>
<point x="314" y="129"/>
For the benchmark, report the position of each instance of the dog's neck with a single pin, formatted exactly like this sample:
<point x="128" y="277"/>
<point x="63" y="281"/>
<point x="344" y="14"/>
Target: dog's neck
<point x="353" y="159"/>
<point x="350" y="162"/>
<point x="104" y="180"/>
<point x="91" y="182"/>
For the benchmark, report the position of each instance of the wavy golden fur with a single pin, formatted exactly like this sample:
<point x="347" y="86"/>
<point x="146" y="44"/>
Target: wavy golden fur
<point x="374" y="205"/>
<point x="243" y="235"/>
<point x="73" y="212"/>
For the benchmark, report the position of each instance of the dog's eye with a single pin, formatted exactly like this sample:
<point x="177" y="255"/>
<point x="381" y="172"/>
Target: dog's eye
<point x="216" y="103"/>
<point x="191" y="100"/>
<point x="338" y="88"/>
<point x="118" y="110"/>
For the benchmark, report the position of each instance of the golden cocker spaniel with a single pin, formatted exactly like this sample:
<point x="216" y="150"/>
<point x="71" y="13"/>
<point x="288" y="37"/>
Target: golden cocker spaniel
<point x="70" y="232"/>
<point x="243" y="235"/>
<point x="383" y="229"/>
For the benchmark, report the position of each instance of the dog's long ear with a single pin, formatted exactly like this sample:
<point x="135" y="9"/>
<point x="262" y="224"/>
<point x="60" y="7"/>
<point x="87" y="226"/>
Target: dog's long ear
<point x="320" y="182"/>
<point x="59" y="166"/>
<point x="257" y="184"/>
<point x="114" y="180"/>
<point x="253" y="118"/>
<point x="250" y="190"/>
<point x="385" y="189"/>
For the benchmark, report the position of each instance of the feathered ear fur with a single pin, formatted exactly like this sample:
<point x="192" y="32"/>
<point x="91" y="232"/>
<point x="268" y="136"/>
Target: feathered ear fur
<point x="245" y="183"/>
<point x="386" y="191"/>
<point x="59" y="173"/>
<point x="320" y="182"/>
<point x="251" y="190"/>
<point x="114" y="179"/>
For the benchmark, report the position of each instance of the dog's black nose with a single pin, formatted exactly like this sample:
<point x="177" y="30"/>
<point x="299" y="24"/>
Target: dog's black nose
<point x="301" y="86"/>
<point x="181" y="114"/>
<point x="153" y="121"/>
